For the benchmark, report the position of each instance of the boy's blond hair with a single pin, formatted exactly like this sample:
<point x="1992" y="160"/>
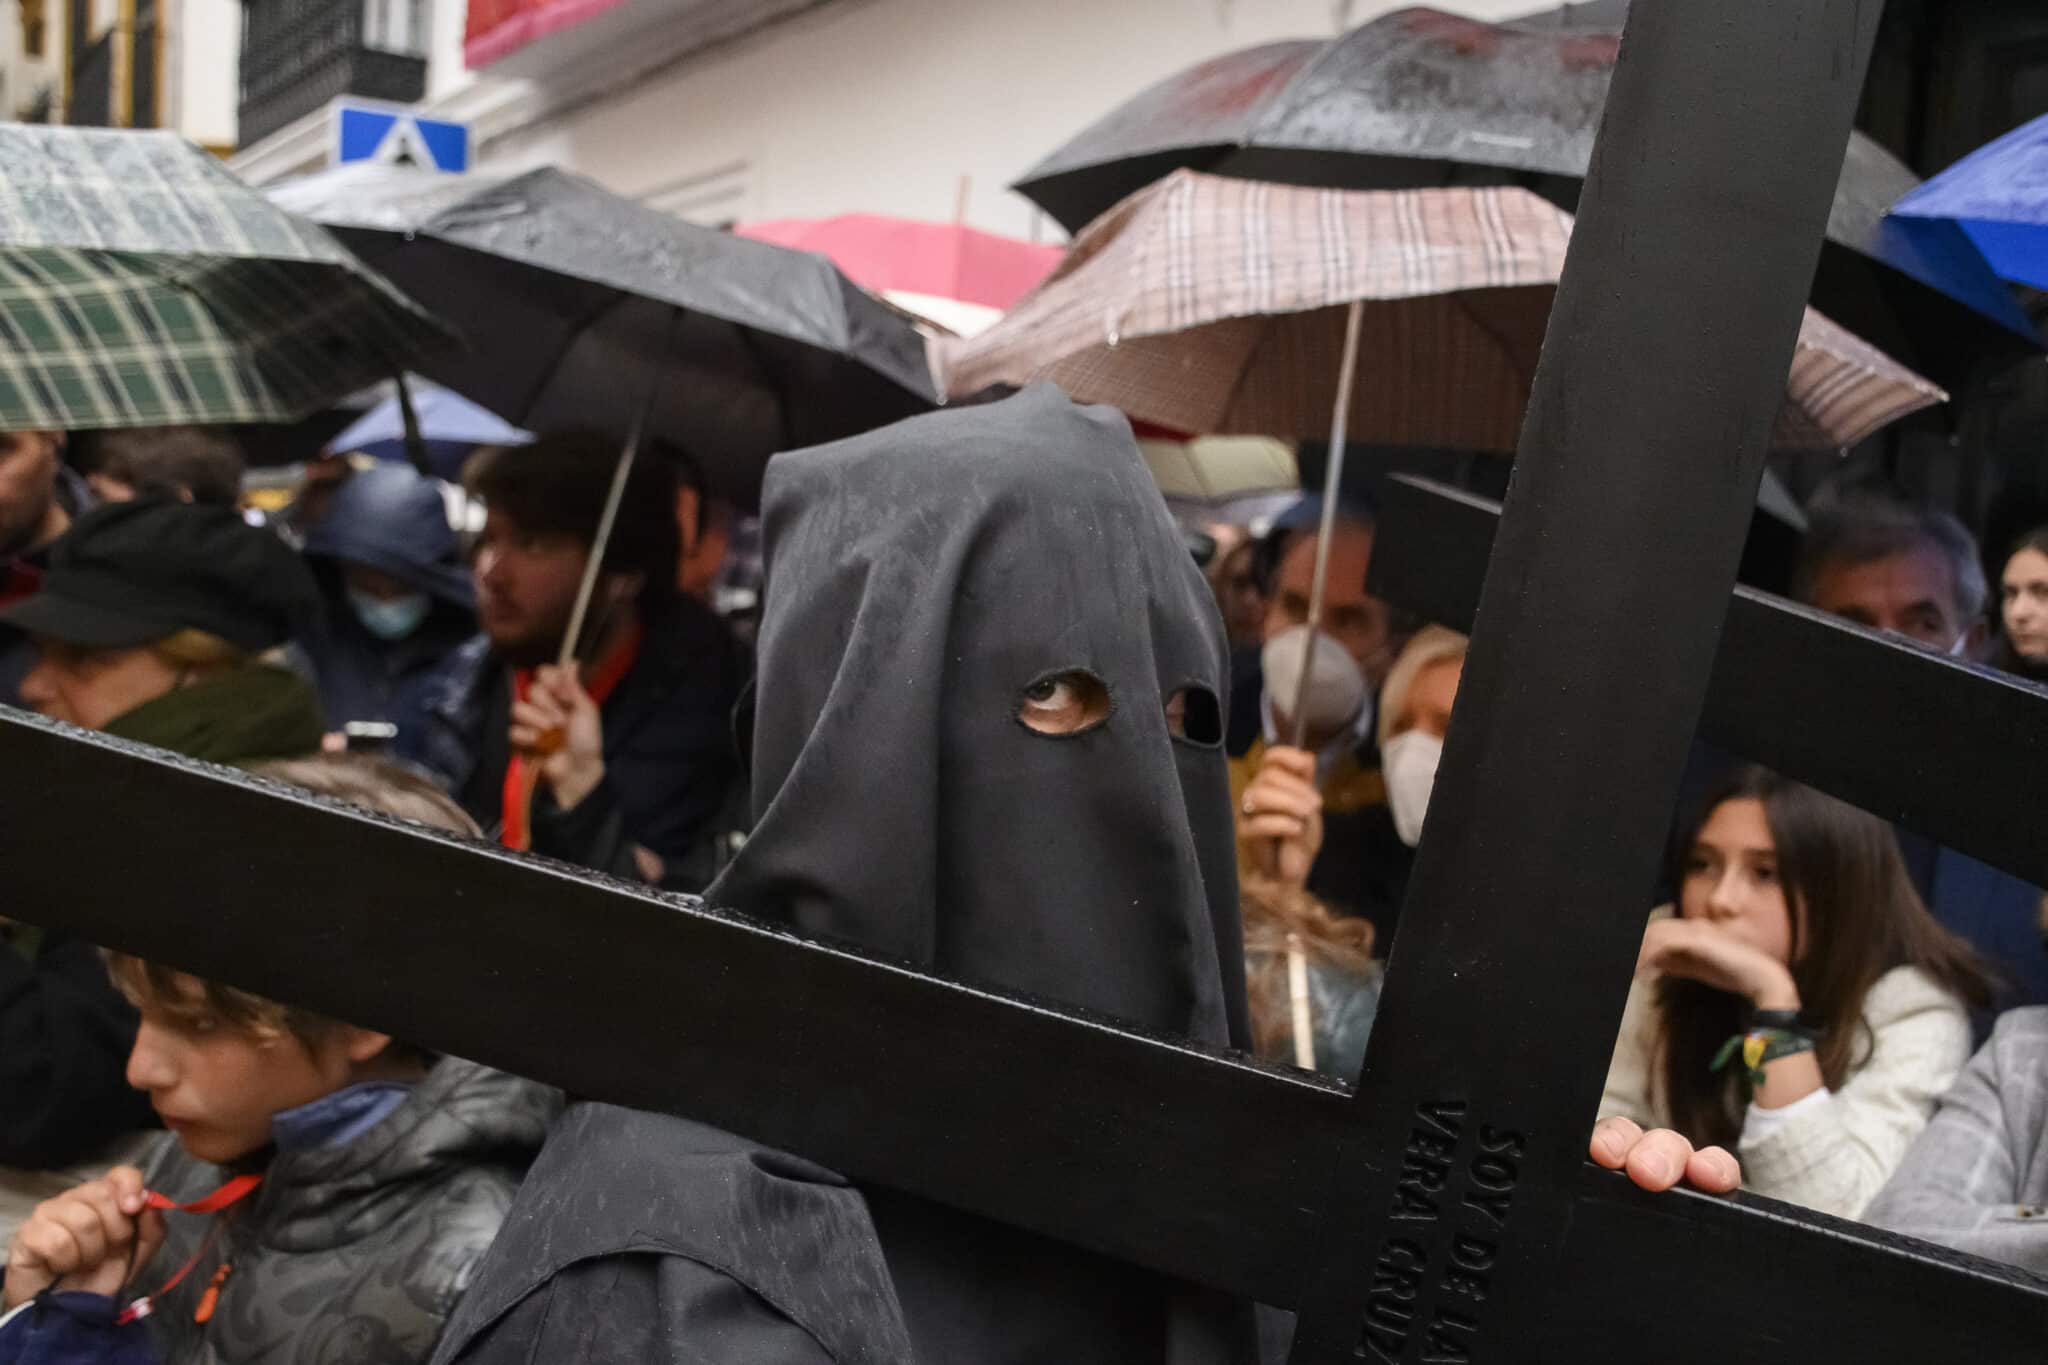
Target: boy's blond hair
<point x="375" y="784"/>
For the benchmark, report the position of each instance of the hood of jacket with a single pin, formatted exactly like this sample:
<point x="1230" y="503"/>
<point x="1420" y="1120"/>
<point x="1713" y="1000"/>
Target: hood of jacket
<point x="391" y="518"/>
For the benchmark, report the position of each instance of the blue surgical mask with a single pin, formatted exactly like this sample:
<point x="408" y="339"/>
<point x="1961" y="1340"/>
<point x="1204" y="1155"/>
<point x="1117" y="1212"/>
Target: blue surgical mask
<point x="391" y="618"/>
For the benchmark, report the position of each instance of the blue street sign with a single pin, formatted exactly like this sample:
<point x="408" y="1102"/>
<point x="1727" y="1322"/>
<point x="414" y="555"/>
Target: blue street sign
<point x="388" y="133"/>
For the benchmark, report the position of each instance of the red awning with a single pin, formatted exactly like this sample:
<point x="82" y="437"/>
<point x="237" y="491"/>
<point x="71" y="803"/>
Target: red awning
<point x="498" y="28"/>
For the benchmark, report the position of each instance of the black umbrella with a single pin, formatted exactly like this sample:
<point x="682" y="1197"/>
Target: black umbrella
<point x="590" y="310"/>
<point x="1419" y="97"/>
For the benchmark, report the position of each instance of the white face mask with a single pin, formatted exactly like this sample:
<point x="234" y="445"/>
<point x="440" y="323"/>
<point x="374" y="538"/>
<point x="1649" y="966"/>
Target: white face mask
<point x="1408" y="764"/>
<point x="1336" y="689"/>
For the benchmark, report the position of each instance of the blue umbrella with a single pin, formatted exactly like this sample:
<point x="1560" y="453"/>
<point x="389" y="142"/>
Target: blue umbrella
<point x="1998" y="197"/>
<point x="451" y="426"/>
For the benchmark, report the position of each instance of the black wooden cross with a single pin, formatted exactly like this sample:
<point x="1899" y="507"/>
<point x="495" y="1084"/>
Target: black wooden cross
<point x="1443" y="1212"/>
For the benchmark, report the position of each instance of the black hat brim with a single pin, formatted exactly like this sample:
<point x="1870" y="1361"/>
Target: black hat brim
<point x="85" y="624"/>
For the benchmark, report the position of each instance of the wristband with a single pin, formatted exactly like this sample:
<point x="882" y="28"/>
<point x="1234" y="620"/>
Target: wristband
<point x="1760" y="1046"/>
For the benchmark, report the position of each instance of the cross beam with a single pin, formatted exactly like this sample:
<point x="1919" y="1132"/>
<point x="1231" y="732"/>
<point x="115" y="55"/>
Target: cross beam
<point x="1662" y="372"/>
<point x="1869" y="718"/>
<point x="1204" y="1166"/>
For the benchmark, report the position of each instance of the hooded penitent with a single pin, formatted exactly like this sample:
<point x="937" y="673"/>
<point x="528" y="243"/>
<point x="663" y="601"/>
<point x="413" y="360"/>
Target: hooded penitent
<point x="919" y="581"/>
<point x="922" y="581"/>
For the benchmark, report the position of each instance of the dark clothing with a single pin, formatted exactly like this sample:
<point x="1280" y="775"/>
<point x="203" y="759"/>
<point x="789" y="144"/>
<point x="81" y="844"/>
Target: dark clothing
<point x="74" y="1329"/>
<point x="922" y="580"/>
<point x="1363" y="868"/>
<point x="645" y="1239"/>
<point x="64" y="1039"/>
<point x="2007" y="659"/>
<point x="2000" y="916"/>
<point x="19" y="576"/>
<point x="363" y="678"/>
<point x="391" y="519"/>
<point x="668" y="748"/>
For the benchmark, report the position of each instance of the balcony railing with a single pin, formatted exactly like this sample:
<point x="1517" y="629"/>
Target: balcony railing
<point x="299" y="54"/>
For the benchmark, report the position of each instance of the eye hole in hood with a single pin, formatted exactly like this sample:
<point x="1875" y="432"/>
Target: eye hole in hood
<point x="1061" y="705"/>
<point x="1194" y="716"/>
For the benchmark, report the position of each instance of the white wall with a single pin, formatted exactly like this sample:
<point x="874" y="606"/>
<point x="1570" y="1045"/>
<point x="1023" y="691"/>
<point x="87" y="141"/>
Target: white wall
<point x="203" y="63"/>
<point x="883" y="105"/>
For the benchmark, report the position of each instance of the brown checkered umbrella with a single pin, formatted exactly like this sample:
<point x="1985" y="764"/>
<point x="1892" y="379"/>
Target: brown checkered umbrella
<point x="1207" y="304"/>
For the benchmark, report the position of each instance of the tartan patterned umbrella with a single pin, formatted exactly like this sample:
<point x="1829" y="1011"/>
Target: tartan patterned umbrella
<point x="1209" y="304"/>
<point x="141" y="284"/>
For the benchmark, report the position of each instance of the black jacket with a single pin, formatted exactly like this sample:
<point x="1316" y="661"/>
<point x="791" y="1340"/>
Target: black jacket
<point x="670" y="761"/>
<point x="642" y="1239"/>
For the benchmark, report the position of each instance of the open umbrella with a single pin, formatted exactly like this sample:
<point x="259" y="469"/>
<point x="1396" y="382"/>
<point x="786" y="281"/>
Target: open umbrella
<point x="1209" y="304"/>
<point x="1423" y="98"/>
<point x="142" y="285"/>
<point x="450" y="427"/>
<point x="1997" y="196"/>
<point x="593" y="311"/>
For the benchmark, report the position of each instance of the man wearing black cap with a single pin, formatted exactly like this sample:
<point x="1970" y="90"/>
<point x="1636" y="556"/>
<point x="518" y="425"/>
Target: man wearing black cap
<point x="147" y="624"/>
<point x="39" y="498"/>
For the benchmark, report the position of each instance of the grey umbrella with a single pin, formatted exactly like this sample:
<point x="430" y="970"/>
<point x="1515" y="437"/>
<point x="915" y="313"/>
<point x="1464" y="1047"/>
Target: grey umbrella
<point x="141" y="285"/>
<point x="591" y="310"/>
<point x="1420" y="97"/>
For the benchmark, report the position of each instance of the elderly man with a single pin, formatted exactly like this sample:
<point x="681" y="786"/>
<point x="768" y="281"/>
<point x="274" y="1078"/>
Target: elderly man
<point x="1876" y="558"/>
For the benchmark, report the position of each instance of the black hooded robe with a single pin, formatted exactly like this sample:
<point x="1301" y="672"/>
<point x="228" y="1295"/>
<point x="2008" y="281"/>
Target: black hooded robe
<point x="920" y="580"/>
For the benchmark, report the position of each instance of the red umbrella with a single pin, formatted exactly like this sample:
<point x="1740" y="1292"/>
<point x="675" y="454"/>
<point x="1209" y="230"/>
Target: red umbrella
<point x="901" y="256"/>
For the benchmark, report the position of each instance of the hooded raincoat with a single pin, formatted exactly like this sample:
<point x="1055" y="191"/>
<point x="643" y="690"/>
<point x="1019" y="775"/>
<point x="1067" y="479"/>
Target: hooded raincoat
<point x="921" y="580"/>
<point x="392" y="519"/>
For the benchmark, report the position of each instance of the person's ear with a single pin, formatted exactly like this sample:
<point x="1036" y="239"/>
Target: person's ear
<point x="361" y="1045"/>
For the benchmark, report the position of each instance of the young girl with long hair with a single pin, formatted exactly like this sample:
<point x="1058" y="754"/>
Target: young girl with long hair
<point x="1802" y="1006"/>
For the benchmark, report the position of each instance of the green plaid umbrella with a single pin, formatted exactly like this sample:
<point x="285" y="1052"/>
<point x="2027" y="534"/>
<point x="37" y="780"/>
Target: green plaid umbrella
<point x="141" y="284"/>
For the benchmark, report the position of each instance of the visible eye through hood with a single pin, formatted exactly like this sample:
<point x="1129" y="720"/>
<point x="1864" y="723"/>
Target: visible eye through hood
<point x="987" y="734"/>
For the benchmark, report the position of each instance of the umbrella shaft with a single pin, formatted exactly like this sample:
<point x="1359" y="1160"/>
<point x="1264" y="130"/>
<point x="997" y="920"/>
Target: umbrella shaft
<point x="1333" y="480"/>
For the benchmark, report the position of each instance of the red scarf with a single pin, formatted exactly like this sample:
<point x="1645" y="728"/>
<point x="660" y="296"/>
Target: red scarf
<point x="516" y="820"/>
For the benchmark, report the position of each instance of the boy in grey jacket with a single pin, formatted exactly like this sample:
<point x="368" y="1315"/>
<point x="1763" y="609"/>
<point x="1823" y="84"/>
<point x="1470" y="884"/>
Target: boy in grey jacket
<point x="324" y="1193"/>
